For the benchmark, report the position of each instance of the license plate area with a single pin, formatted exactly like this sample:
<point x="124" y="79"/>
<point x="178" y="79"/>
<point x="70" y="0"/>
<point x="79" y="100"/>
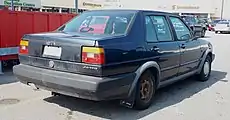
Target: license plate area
<point x="52" y="52"/>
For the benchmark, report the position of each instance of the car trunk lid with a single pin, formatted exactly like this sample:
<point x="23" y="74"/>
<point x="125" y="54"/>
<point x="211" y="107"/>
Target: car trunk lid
<point x="222" y="26"/>
<point x="60" y="46"/>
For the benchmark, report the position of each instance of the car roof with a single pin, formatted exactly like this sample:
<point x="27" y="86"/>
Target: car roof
<point x="227" y="21"/>
<point x="187" y="15"/>
<point x="135" y="10"/>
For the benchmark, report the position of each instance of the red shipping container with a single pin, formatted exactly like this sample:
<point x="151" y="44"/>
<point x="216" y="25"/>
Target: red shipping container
<point x="14" y="24"/>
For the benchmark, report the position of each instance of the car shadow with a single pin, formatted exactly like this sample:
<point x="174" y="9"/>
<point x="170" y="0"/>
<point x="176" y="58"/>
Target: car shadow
<point x="225" y="33"/>
<point x="164" y="98"/>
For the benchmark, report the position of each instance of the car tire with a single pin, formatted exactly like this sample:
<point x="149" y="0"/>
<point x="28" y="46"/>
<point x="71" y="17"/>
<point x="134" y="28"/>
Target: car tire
<point x="216" y="32"/>
<point x="203" y="33"/>
<point x="206" y="70"/>
<point x="145" y="91"/>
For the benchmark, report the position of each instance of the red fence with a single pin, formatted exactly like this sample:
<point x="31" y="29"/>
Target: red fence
<point x="14" y="24"/>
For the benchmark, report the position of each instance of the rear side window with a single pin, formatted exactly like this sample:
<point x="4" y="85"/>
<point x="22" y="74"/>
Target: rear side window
<point x="100" y="22"/>
<point x="162" y="28"/>
<point x="150" y="32"/>
<point x="182" y="31"/>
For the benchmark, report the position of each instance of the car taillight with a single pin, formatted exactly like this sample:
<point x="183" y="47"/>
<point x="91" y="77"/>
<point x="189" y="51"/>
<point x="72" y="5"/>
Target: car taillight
<point x="93" y="55"/>
<point x="23" y="47"/>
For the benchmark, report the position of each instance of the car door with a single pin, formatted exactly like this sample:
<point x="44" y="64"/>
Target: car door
<point x="161" y="45"/>
<point x="190" y="49"/>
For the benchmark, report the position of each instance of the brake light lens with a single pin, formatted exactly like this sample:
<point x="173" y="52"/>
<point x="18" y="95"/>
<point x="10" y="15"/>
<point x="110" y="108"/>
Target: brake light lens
<point x="24" y="47"/>
<point x="93" y="55"/>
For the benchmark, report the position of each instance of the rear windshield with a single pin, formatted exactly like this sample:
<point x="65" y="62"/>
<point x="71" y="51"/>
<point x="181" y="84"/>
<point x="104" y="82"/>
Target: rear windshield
<point x="216" y="21"/>
<point x="100" y="22"/>
<point x="223" y="22"/>
<point x="189" y="19"/>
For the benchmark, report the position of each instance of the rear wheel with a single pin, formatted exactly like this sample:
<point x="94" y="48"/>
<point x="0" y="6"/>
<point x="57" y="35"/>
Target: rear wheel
<point x="146" y="89"/>
<point x="216" y="32"/>
<point x="206" y="70"/>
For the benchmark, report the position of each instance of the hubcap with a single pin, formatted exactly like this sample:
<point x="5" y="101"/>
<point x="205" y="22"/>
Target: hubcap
<point x="206" y="68"/>
<point x="146" y="90"/>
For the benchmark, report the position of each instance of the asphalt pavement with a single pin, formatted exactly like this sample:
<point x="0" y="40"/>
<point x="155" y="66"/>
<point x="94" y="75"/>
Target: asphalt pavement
<point x="185" y="100"/>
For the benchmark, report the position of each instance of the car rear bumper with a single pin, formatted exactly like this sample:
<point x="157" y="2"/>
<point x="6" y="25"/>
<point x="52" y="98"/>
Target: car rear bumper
<point x="222" y="30"/>
<point x="81" y="86"/>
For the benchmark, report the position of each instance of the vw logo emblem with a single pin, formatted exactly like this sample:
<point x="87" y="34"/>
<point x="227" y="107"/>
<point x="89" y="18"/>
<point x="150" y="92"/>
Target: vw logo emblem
<point x="50" y="43"/>
<point x="51" y="64"/>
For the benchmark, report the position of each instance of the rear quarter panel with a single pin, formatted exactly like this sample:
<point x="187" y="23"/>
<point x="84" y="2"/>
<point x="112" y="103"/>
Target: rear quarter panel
<point x="124" y="54"/>
<point x="204" y="46"/>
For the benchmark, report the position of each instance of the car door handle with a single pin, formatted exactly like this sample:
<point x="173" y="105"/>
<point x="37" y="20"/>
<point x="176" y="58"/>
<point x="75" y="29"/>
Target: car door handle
<point x="183" y="46"/>
<point x="155" y="49"/>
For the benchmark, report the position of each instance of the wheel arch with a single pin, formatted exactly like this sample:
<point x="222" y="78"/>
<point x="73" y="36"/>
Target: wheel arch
<point x="153" y="67"/>
<point x="210" y="55"/>
<point x="208" y="52"/>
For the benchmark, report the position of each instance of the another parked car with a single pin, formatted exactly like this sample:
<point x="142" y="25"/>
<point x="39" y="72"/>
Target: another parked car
<point x="216" y="21"/>
<point x="2" y="7"/>
<point x="195" y="24"/>
<point x="222" y="27"/>
<point x="138" y="53"/>
<point x="212" y="24"/>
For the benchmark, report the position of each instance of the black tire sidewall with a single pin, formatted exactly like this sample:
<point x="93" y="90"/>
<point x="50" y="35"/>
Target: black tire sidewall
<point x="202" y="76"/>
<point x="203" y="33"/>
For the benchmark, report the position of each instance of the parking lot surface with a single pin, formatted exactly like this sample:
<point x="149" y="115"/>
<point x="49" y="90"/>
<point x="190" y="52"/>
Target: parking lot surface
<point x="185" y="100"/>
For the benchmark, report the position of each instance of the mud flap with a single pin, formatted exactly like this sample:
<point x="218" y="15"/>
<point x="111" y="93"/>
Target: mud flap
<point x="129" y="102"/>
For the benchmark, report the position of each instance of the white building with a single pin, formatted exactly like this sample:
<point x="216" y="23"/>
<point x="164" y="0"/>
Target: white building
<point x="82" y="4"/>
<point x="207" y="8"/>
<point x="226" y="13"/>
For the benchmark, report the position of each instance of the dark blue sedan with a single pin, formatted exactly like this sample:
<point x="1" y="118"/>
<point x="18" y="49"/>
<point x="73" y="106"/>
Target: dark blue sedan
<point x="114" y="54"/>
